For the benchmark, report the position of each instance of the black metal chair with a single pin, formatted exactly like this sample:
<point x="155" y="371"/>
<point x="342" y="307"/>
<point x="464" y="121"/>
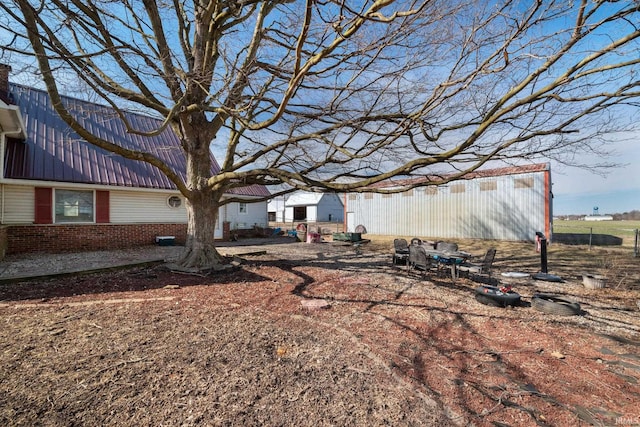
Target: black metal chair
<point x="419" y="259"/>
<point x="400" y="251"/>
<point x="481" y="268"/>
<point x="416" y="241"/>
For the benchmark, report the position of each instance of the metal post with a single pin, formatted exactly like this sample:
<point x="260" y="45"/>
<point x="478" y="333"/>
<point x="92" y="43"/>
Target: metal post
<point x="543" y="251"/>
<point x="590" y="237"/>
<point x="635" y="246"/>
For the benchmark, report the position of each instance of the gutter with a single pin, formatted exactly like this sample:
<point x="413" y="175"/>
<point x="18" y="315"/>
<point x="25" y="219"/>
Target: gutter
<point x="11" y="121"/>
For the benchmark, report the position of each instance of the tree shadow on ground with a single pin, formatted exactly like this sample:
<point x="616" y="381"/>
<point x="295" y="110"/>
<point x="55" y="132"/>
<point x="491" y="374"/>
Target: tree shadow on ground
<point x="392" y="303"/>
<point x="124" y="280"/>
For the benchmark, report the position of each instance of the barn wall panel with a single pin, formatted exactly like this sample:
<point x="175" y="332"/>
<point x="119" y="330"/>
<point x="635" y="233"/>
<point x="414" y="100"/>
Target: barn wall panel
<point x="509" y="207"/>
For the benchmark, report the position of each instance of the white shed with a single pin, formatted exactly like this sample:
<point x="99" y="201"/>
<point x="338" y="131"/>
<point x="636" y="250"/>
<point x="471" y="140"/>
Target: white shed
<point x="313" y="207"/>
<point x="505" y="204"/>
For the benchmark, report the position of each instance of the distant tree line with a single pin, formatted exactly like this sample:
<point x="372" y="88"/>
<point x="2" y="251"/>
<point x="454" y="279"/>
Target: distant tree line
<point x="628" y="216"/>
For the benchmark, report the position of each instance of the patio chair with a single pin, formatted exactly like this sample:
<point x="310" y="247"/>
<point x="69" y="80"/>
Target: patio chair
<point x="416" y="241"/>
<point x="419" y="259"/>
<point x="400" y="251"/>
<point x="483" y="268"/>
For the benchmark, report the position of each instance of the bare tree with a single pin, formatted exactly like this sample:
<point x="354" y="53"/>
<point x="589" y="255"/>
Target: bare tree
<point x="338" y="95"/>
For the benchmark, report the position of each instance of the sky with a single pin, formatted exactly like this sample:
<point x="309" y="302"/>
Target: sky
<point x="579" y="191"/>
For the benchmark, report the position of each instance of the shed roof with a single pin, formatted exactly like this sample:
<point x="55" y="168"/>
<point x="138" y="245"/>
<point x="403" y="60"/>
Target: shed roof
<point x="303" y="198"/>
<point x="54" y="152"/>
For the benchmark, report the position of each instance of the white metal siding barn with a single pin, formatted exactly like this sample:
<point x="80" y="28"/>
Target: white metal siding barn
<point x="502" y="204"/>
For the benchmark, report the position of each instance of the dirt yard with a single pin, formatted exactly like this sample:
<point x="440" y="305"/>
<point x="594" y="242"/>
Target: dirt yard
<point x="321" y="335"/>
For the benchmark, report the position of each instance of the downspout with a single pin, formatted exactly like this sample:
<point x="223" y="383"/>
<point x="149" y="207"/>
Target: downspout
<point x="547" y="205"/>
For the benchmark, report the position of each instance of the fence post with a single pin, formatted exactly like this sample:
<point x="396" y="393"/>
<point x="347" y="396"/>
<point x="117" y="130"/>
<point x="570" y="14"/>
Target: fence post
<point x="590" y="237"/>
<point x="635" y="246"/>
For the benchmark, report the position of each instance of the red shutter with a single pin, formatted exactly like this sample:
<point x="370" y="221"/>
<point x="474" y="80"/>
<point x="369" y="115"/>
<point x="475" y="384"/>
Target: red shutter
<point x="102" y="206"/>
<point x="43" y="205"/>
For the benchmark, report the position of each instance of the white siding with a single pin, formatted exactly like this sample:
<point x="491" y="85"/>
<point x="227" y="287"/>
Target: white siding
<point x="18" y="204"/>
<point x="277" y="206"/>
<point x="459" y="210"/>
<point x="288" y="214"/>
<point x="312" y="213"/>
<point x="256" y="215"/>
<point x="330" y="208"/>
<point x="139" y="207"/>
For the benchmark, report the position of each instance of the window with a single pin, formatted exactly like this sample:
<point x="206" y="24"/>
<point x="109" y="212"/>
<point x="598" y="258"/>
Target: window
<point x="242" y="208"/>
<point x="174" y="201"/>
<point x="488" y="185"/>
<point x="523" y="182"/>
<point x="407" y="193"/>
<point x="457" y="188"/>
<point x="368" y="195"/>
<point x="73" y="206"/>
<point x="431" y="190"/>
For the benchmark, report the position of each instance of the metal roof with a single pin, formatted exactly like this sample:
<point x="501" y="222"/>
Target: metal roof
<point x="54" y="152"/>
<point x="483" y="173"/>
<point x="303" y="198"/>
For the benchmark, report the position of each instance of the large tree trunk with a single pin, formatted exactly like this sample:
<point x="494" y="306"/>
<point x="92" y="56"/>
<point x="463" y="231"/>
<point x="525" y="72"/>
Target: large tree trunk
<point x="200" y="251"/>
<point x="202" y="204"/>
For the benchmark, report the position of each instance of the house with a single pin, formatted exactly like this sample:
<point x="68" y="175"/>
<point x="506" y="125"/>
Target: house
<point x="306" y="206"/>
<point x="510" y="203"/>
<point x="60" y="193"/>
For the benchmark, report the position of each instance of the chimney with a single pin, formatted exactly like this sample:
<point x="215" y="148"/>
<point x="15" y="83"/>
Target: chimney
<point x="4" y="82"/>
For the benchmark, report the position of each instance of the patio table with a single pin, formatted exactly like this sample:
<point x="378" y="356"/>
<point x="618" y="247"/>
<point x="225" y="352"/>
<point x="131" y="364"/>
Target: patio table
<point x="452" y="259"/>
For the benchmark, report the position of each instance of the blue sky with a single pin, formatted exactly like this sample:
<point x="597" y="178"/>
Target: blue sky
<point x="578" y="191"/>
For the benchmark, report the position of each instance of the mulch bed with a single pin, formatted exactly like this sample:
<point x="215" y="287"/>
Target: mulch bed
<point x="337" y="339"/>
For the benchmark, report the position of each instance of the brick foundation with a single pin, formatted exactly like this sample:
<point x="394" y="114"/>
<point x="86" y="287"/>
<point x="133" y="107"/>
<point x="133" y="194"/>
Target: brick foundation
<point x="54" y="238"/>
<point x="4" y="242"/>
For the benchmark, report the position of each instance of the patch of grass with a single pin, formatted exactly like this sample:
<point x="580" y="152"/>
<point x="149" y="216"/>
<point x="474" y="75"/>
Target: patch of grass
<point x="623" y="229"/>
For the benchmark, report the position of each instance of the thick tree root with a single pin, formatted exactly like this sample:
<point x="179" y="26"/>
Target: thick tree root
<point x="196" y="260"/>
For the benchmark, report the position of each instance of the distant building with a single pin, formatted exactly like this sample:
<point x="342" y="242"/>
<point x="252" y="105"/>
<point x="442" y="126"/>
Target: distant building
<point x="306" y="206"/>
<point x="598" y="218"/>
<point x="504" y="204"/>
